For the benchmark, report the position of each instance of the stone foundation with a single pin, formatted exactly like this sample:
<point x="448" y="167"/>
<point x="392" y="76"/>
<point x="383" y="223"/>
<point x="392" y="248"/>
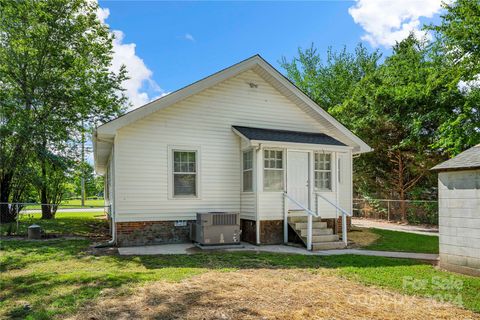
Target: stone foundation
<point x="271" y="232"/>
<point x="151" y="232"/>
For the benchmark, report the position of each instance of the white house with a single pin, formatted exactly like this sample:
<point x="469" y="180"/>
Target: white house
<point x="459" y="212"/>
<point x="245" y="140"/>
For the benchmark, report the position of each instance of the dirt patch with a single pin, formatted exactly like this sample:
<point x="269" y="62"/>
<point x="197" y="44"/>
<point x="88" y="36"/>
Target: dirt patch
<point x="361" y="237"/>
<point x="266" y="294"/>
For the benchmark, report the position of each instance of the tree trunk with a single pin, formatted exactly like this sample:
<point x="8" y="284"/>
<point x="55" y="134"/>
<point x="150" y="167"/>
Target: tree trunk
<point x="401" y="189"/>
<point x="7" y="214"/>
<point x="46" y="208"/>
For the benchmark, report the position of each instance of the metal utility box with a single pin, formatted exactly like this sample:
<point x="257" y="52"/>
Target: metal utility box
<point x="34" y="232"/>
<point x="216" y="228"/>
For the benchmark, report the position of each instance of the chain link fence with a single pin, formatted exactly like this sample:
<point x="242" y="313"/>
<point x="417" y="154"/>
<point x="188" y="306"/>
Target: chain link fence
<point x="411" y="211"/>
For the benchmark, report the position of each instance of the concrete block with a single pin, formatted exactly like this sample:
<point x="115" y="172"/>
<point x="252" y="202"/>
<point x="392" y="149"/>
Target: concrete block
<point x="469" y="233"/>
<point x="446" y="230"/>
<point x="458" y="260"/>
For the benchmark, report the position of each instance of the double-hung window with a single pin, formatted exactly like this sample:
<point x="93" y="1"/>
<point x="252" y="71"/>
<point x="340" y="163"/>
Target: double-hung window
<point x="323" y="171"/>
<point x="273" y="170"/>
<point x="248" y="171"/>
<point x="184" y="173"/>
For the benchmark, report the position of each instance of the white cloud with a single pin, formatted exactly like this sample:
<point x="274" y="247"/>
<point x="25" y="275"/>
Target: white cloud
<point x="140" y="84"/>
<point x="189" y="37"/>
<point x="389" y="21"/>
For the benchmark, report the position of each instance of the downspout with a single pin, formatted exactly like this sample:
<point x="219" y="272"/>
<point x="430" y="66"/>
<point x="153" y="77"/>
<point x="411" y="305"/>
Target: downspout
<point x="257" y="185"/>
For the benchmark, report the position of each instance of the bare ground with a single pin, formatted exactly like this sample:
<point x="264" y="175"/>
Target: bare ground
<point x="266" y="294"/>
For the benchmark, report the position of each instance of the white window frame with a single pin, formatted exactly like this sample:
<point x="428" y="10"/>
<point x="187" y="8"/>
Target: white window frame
<point x="315" y="170"/>
<point x="198" y="156"/>
<point x="250" y="169"/>
<point x="274" y="169"/>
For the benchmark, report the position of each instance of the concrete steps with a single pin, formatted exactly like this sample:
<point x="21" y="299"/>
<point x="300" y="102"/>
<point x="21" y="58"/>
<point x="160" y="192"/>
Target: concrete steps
<point x="328" y="245"/>
<point x="315" y="225"/>
<point x="316" y="232"/>
<point x="323" y="238"/>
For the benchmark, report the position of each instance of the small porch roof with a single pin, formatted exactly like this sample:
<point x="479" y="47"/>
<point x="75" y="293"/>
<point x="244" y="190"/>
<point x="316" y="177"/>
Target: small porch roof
<point x="260" y="134"/>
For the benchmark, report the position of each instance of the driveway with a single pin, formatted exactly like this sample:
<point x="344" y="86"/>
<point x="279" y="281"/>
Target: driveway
<point x="367" y="223"/>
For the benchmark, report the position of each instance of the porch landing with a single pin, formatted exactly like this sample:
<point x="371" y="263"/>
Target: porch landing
<point x="190" y="248"/>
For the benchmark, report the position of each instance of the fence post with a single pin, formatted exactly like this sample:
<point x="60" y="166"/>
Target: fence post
<point x="18" y="217"/>
<point x="388" y="210"/>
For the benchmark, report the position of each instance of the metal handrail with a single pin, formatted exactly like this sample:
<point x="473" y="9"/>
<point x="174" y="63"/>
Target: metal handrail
<point x="310" y="212"/>
<point x="344" y="218"/>
<point x="333" y="204"/>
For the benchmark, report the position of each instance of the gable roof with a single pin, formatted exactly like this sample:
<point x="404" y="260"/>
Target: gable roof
<point x="468" y="159"/>
<point x="105" y="133"/>
<point x="286" y="136"/>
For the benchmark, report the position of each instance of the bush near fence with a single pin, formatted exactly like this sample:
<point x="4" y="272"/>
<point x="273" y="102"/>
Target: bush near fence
<point x="417" y="211"/>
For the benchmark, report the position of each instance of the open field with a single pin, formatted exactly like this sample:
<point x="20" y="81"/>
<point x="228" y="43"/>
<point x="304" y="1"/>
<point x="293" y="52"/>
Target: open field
<point x="67" y="278"/>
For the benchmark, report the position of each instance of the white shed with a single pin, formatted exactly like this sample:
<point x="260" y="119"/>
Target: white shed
<point x="459" y="212"/>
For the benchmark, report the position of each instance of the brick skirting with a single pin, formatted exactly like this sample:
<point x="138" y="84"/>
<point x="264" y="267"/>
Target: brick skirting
<point x="151" y="232"/>
<point x="331" y="224"/>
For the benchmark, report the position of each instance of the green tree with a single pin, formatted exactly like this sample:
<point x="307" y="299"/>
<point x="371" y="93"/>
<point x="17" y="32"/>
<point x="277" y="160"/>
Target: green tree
<point x="457" y="40"/>
<point x="396" y="107"/>
<point x="330" y="83"/>
<point x="398" y="110"/>
<point x="93" y="183"/>
<point x="55" y="59"/>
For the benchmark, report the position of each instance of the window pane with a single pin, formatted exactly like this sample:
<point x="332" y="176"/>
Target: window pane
<point x="279" y="164"/>
<point x="279" y="155"/>
<point x="273" y="180"/>
<point x="247" y="160"/>
<point x="176" y="167"/>
<point x="323" y="180"/>
<point x="184" y="184"/>
<point x="273" y="159"/>
<point x="176" y="156"/>
<point x="184" y="161"/>
<point x="247" y="180"/>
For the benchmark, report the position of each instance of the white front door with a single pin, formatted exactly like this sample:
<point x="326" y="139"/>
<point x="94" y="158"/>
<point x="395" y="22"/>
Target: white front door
<point x="297" y="178"/>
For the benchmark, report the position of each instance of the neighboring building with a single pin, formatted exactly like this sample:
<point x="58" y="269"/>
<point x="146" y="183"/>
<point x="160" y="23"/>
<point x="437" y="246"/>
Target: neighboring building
<point x="235" y="141"/>
<point x="459" y="212"/>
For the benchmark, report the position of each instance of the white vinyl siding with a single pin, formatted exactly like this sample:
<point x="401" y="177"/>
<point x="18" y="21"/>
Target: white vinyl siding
<point x="205" y="119"/>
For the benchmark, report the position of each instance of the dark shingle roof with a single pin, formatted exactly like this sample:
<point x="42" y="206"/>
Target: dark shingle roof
<point x="287" y="136"/>
<point x="468" y="159"/>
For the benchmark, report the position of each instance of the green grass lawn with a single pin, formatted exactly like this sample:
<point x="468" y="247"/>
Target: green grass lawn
<point x="54" y="278"/>
<point x="386" y="240"/>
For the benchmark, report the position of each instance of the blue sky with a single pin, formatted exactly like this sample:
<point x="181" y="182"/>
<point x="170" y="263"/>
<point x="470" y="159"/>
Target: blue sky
<point x="167" y="45"/>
